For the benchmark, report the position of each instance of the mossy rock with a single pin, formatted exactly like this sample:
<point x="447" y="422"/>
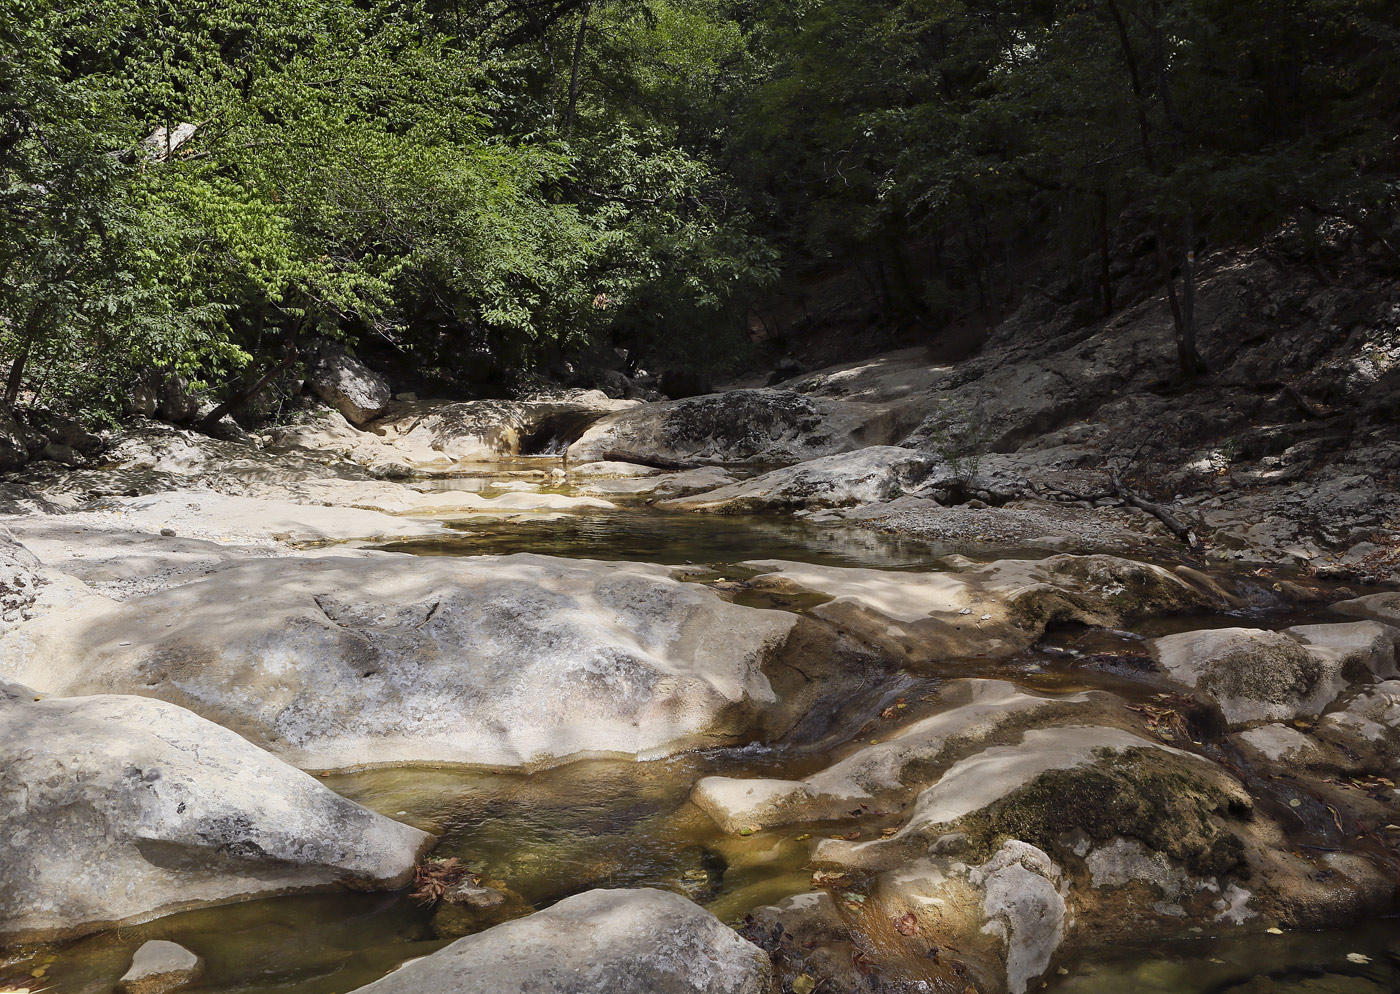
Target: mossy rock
<point x="1137" y="794"/>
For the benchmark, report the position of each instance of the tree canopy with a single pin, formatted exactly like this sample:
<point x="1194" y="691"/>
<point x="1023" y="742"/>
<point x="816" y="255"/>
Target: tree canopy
<point x="201" y="187"/>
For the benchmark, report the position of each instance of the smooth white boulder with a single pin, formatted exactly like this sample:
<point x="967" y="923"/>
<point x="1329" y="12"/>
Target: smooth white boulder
<point x="599" y="942"/>
<point x="338" y="662"/>
<point x="120" y="809"/>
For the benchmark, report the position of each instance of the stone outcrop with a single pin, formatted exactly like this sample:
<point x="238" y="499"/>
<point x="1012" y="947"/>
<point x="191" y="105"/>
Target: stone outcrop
<point x="750" y="427"/>
<point x="160" y="966"/>
<point x="119" y="809"/>
<point x="1264" y="676"/>
<point x="348" y="385"/>
<point x="864" y="476"/>
<point x="517" y="660"/>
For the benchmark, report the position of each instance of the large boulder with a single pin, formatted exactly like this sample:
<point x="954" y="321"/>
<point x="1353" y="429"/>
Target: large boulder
<point x="345" y="383"/>
<point x="990" y="610"/>
<point x="174" y="401"/>
<point x="1264" y="676"/>
<point x="741" y="426"/>
<point x="517" y="660"/>
<point x="120" y="809"/>
<point x="618" y="941"/>
<point x="864" y="476"/>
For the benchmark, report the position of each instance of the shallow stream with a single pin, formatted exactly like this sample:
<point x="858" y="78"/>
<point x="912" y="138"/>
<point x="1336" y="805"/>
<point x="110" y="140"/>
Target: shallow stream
<point x="590" y="824"/>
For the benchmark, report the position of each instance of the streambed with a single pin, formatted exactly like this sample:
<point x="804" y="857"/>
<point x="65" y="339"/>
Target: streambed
<point x="610" y="823"/>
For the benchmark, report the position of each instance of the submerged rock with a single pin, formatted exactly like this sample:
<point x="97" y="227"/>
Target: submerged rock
<point x="618" y="941"/>
<point x="517" y="660"/>
<point x="120" y="809"/>
<point x="160" y="966"/>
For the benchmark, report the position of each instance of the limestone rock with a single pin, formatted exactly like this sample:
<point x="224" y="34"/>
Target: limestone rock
<point x="160" y="966"/>
<point x="741" y="427"/>
<point x="1383" y="607"/>
<point x="516" y="660"/>
<point x="619" y="941"/>
<point x="1257" y="675"/>
<point x="345" y="383"/>
<point x="996" y="609"/>
<point x="120" y="809"/>
<point x="979" y="709"/>
<point x="1368" y="727"/>
<point x="864" y="476"/>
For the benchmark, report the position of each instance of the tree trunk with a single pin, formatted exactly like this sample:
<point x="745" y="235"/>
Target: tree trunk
<point x="1184" y="324"/>
<point x="1191" y="361"/>
<point x="16" y="378"/>
<point x="207" y="423"/>
<point x="1105" y="260"/>
<point x="573" y="73"/>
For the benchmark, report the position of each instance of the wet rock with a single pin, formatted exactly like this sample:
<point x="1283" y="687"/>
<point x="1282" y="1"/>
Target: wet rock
<point x="517" y="660"/>
<point x="865" y="476"/>
<point x="1367" y="727"/>
<point x="160" y="966"/>
<point x="620" y="941"/>
<point x="741" y="426"/>
<point x="348" y="385"/>
<point x="472" y="905"/>
<point x="1257" y="675"/>
<point x="1282" y="744"/>
<point x="992" y="610"/>
<point x="1383" y="607"/>
<point x="120" y="809"/>
<point x="978" y="709"/>
<point x="1104" y="781"/>
<point x="218" y="517"/>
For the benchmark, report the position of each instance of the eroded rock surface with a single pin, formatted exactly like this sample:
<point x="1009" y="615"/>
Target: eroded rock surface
<point x="119" y="809"/>
<point x="1264" y="676"/>
<point x="994" y="609"/>
<point x="516" y="660"/>
<point x="738" y="427"/>
<point x="620" y="941"/>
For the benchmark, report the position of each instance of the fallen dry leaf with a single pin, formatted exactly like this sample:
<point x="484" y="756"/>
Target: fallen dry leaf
<point x="907" y="924"/>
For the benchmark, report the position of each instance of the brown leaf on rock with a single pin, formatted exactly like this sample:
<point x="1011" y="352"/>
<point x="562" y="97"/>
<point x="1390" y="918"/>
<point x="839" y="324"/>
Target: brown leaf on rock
<point x="907" y="924"/>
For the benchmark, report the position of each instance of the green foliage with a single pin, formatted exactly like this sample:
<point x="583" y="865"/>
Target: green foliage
<point x="517" y="178"/>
